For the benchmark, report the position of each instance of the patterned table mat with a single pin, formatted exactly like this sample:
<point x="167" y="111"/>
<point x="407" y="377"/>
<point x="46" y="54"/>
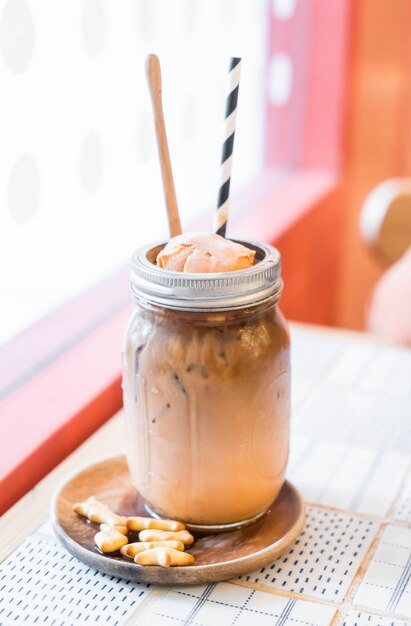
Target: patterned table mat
<point x="351" y="565"/>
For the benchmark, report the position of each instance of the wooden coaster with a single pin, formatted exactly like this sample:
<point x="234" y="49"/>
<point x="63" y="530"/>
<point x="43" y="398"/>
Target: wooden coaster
<point x="218" y="556"/>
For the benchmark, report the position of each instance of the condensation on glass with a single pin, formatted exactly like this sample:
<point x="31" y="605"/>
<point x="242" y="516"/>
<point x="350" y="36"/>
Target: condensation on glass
<point x="206" y="383"/>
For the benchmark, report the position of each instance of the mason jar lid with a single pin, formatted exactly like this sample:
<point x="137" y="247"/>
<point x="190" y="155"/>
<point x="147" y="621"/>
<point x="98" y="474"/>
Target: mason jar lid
<point x="207" y="291"/>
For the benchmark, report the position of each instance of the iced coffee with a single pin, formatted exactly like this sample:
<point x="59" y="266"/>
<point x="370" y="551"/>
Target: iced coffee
<point x="206" y="381"/>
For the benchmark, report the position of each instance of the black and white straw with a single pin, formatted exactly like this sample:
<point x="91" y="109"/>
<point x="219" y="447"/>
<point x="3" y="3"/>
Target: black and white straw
<point x="227" y="153"/>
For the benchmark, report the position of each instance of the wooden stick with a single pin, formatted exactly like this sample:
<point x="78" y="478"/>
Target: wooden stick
<point x="154" y="83"/>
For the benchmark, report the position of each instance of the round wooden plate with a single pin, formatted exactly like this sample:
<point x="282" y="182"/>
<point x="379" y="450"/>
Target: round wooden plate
<point x="218" y="556"/>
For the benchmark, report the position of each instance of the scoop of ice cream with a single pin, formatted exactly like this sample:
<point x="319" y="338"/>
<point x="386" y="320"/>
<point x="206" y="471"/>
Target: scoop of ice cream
<point x="204" y="252"/>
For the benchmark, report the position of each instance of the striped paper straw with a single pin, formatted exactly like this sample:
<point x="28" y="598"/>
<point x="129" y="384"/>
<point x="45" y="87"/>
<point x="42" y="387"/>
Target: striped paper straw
<point x="227" y="153"/>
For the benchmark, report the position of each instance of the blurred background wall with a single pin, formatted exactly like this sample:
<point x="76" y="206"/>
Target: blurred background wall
<point x="80" y="185"/>
<point x="377" y="135"/>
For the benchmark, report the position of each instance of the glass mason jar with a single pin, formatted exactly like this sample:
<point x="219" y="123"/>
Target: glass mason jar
<point x="206" y="381"/>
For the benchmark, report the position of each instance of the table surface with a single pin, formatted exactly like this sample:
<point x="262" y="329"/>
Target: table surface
<point x="351" y="459"/>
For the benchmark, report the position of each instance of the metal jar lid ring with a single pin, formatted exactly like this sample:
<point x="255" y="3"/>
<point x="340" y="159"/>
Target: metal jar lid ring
<point x="210" y="291"/>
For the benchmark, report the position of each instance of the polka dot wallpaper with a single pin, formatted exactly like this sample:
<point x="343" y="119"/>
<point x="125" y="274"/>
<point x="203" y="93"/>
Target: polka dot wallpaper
<point x="80" y="184"/>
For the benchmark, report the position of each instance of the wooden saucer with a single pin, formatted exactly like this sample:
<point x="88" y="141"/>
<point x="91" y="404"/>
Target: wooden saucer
<point x="218" y="557"/>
